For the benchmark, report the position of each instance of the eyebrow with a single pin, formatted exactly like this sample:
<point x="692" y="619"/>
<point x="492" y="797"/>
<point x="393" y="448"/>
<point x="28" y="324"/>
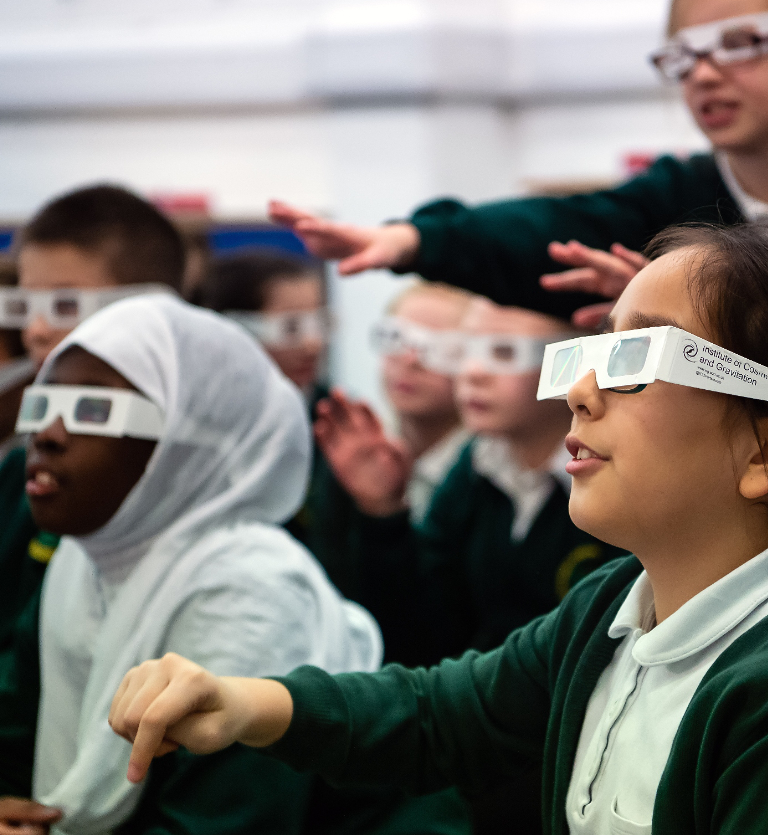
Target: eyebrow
<point x="636" y="321"/>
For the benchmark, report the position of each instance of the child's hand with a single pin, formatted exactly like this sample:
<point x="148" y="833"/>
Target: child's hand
<point x="163" y="704"/>
<point x="371" y="467"/>
<point x="19" y="816"/>
<point x="361" y="248"/>
<point x="596" y="271"/>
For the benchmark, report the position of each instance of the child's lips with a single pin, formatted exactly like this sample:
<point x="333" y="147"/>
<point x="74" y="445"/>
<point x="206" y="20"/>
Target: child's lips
<point x="717" y="114"/>
<point x="41" y="483"/>
<point x="585" y="459"/>
<point x="476" y="405"/>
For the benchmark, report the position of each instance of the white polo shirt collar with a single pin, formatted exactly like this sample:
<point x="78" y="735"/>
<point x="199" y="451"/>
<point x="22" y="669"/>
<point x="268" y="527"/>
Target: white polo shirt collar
<point x="695" y="626"/>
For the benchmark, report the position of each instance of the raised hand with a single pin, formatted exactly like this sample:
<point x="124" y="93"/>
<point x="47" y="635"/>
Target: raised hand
<point x="595" y="271"/>
<point x="359" y="247"/>
<point x="163" y="704"/>
<point x="20" y="816"/>
<point x="372" y="468"/>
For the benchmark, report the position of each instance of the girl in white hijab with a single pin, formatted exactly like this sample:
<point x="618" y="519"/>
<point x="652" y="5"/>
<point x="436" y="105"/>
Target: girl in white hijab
<point x="192" y="561"/>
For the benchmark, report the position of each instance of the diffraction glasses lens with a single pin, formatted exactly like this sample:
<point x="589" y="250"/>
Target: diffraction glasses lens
<point x="628" y="356"/>
<point x="503" y="352"/>
<point x="565" y="366"/>
<point x="93" y="410"/>
<point x="34" y="407"/>
<point x="16" y="307"/>
<point x="67" y="306"/>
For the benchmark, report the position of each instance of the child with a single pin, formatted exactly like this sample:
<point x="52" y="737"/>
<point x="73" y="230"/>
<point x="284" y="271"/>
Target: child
<point x="644" y="694"/>
<point x="496" y="548"/>
<point x="501" y="249"/>
<point x="281" y="300"/>
<point x="429" y="434"/>
<point x="79" y="252"/>
<point x="169" y="505"/>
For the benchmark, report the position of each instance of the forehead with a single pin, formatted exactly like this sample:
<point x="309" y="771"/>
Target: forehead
<point x="78" y="367"/>
<point x="661" y="291"/>
<point x="687" y="13"/>
<point x="483" y="316"/>
<point x="283" y="294"/>
<point x="432" y="309"/>
<point x="62" y="266"/>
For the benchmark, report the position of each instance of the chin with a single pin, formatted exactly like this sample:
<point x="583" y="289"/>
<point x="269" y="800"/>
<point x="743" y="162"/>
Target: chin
<point x="596" y="519"/>
<point x="60" y="521"/>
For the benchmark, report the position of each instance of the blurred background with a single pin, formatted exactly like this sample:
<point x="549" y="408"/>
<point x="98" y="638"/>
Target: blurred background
<point x="358" y="109"/>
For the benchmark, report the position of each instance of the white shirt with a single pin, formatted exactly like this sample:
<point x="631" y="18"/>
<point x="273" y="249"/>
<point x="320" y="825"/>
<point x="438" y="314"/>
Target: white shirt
<point x="528" y="490"/>
<point x="751" y="207"/>
<point x="430" y="469"/>
<point x="638" y="703"/>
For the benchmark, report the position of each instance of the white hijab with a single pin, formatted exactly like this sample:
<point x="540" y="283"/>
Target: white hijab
<point x="192" y="561"/>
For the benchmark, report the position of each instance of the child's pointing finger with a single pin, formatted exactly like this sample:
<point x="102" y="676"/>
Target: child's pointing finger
<point x="151" y="700"/>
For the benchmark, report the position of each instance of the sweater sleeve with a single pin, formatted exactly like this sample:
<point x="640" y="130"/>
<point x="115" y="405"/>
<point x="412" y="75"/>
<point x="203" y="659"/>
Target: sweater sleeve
<point x="19" y="694"/>
<point x="470" y="722"/>
<point x="500" y="249"/>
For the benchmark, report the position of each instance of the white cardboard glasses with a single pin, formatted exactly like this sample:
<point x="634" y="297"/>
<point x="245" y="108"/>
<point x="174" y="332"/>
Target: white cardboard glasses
<point x="90" y="410"/>
<point x="285" y="330"/>
<point x="434" y="349"/>
<point x="447" y="352"/>
<point x="628" y="361"/>
<point x="64" y="308"/>
<point x="723" y="42"/>
<point x="499" y="353"/>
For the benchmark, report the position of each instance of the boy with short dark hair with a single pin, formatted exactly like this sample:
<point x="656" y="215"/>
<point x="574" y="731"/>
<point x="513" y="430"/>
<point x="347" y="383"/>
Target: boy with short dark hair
<point x="85" y="242"/>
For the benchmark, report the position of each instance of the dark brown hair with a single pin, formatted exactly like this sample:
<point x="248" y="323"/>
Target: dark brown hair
<point x="728" y="283"/>
<point x="139" y="244"/>
<point x="241" y="282"/>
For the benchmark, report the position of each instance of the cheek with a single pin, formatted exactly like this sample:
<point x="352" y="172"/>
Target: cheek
<point x="102" y="472"/>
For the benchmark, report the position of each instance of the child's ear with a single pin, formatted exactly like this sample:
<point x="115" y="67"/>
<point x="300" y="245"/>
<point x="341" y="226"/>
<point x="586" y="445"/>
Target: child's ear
<point x="754" y="481"/>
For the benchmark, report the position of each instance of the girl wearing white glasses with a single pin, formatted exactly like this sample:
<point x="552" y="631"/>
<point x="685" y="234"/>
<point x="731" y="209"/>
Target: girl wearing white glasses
<point x="167" y="449"/>
<point x="645" y="694"/>
<point x="717" y="52"/>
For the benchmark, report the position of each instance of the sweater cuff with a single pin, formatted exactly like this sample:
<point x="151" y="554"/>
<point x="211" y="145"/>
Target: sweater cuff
<point x="434" y="224"/>
<point x="315" y="738"/>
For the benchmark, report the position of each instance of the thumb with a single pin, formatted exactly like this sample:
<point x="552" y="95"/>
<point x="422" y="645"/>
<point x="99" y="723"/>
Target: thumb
<point x="368" y="259"/>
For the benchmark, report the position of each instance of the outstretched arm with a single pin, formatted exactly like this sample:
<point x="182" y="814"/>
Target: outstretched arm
<point x="359" y="248"/>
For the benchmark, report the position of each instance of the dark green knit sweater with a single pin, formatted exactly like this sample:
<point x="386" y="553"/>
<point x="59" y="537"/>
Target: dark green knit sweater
<point x="476" y="721"/>
<point x="500" y="249"/>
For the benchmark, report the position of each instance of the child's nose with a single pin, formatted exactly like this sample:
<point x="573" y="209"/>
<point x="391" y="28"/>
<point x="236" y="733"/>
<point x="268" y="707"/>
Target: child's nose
<point x="53" y="435"/>
<point x="584" y="397"/>
<point x="704" y="71"/>
<point x="473" y="369"/>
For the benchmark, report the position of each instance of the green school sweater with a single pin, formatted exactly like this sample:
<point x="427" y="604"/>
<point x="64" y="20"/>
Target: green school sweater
<point x="24" y="549"/>
<point x="500" y="249"/>
<point x="457" y="581"/>
<point x="475" y="721"/>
